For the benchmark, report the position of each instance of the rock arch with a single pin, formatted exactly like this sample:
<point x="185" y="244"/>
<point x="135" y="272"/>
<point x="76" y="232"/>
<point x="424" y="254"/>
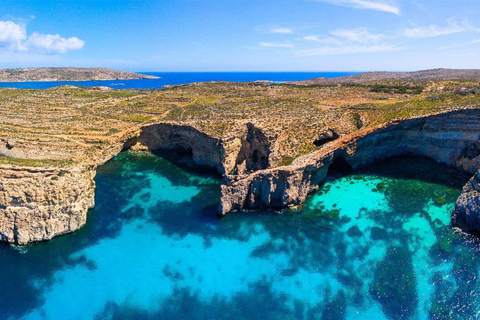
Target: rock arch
<point x="450" y="137"/>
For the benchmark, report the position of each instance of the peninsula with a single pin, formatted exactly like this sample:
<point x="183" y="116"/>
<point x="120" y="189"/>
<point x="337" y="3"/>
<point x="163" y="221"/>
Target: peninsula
<point x="67" y="74"/>
<point x="273" y="144"/>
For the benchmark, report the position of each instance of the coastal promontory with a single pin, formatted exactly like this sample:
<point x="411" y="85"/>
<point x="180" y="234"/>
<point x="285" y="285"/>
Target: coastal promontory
<point x="273" y="144"/>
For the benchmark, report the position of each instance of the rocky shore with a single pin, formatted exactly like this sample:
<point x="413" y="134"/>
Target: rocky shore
<point x="451" y="138"/>
<point x="273" y="145"/>
<point x="38" y="204"/>
<point x="466" y="215"/>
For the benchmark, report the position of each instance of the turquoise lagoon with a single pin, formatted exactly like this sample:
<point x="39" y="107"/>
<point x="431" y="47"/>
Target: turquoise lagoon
<point x="372" y="245"/>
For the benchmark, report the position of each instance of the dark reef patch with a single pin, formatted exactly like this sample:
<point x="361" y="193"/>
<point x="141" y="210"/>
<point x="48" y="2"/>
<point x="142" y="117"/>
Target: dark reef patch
<point x="394" y="284"/>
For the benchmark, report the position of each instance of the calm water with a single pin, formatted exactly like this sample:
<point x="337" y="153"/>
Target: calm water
<point x="373" y="245"/>
<point x="171" y="78"/>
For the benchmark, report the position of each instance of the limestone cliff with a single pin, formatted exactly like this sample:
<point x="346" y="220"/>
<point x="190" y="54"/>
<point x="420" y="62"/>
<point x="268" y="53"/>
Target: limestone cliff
<point x="188" y="144"/>
<point x="450" y="138"/>
<point x="38" y="204"/>
<point x="246" y="152"/>
<point x="466" y="215"/>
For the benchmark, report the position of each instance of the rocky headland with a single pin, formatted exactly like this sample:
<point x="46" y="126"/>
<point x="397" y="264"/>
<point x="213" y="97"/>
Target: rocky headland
<point x="67" y="74"/>
<point x="382" y="76"/>
<point x="273" y="144"/>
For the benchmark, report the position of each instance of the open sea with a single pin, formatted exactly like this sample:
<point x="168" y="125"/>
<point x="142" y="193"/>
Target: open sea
<point x="172" y="78"/>
<point x="375" y="244"/>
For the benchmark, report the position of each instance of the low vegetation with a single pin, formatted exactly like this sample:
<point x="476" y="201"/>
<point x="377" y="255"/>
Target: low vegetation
<point x="73" y="123"/>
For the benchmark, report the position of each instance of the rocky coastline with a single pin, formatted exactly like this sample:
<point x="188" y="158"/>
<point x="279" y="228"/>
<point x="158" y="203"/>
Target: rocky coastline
<point x="272" y="144"/>
<point x="466" y="216"/>
<point x="38" y="204"/>
<point x="450" y="138"/>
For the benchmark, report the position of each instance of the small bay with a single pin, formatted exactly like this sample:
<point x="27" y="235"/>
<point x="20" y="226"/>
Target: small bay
<point x="375" y="244"/>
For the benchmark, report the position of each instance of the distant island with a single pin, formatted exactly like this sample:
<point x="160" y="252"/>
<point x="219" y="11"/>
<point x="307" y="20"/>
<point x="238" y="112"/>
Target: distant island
<point x="67" y="74"/>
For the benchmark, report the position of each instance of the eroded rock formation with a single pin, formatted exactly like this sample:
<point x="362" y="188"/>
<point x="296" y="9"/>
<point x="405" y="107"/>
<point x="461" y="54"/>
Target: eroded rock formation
<point x="449" y="138"/>
<point x="325" y="136"/>
<point x="466" y="215"/>
<point x="255" y="151"/>
<point x="187" y="143"/>
<point x="38" y="204"/>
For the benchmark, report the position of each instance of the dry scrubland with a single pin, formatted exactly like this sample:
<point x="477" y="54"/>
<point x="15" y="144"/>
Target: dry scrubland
<point x="64" y="126"/>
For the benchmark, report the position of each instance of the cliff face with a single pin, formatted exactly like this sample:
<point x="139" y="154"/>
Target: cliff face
<point x="38" y="204"/>
<point x="451" y="138"/>
<point x="255" y="151"/>
<point x="466" y="215"/>
<point x="186" y="143"/>
<point x="246" y="153"/>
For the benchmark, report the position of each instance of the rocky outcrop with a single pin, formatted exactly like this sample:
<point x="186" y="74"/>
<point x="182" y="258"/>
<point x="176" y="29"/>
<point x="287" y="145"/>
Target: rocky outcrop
<point x="38" y="204"/>
<point x="189" y="145"/>
<point x="255" y="152"/>
<point x="185" y="143"/>
<point x="325" y="136"/>
<point x="466" y="215"/>
<point x="449" y="138"/>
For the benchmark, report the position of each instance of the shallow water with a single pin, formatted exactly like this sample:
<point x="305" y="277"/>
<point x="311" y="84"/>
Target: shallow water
<point x="373" y="245"/>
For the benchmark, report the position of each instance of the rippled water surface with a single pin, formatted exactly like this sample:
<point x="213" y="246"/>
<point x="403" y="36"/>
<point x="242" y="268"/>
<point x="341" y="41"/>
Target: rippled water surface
<point x="373" y="245"/>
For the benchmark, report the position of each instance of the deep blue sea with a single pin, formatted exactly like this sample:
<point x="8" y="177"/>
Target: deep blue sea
<point x="172" y="78"/>
<point x="375" y="244"/>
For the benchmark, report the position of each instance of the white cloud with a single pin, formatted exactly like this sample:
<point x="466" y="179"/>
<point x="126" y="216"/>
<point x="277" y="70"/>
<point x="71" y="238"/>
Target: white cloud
<point x="348" y="49"/>
<point x="366" y="4"/>
<point x="357" y="35"/>
<point x="13" y="37"/>
<point x="275" y="45"/>
<point x="281" y="30"/>
<point x="459" y="45"/>
<point x="53" y="43"/>
<point x="345" y="41"/>
<point x="269" y="29"/>
<point x="328" y="40"/>
<point x="434" y="30"/>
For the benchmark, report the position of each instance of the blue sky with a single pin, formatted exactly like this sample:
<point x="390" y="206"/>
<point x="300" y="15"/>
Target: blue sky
<point x="241" y="35"/>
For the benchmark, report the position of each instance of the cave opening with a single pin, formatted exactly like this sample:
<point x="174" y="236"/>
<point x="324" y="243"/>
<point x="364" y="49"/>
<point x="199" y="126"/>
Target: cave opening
<point x="325" y="137"/>
<point x="183" y="158"/>
<point x="339" y="166"/>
